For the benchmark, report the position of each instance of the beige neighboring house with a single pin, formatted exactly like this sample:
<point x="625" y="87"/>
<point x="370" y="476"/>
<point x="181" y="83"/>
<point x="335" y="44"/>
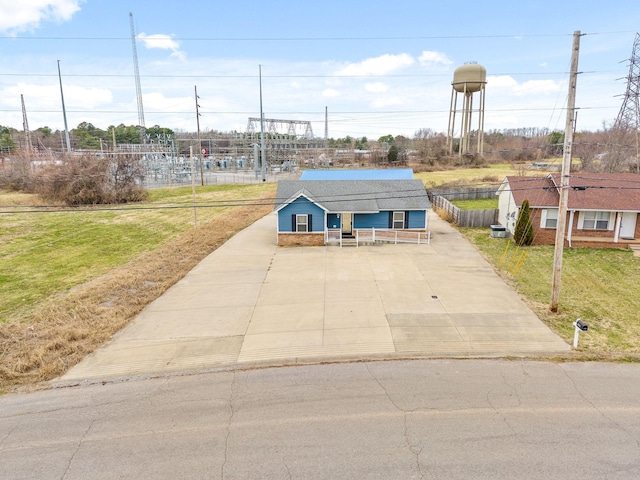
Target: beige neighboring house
<point x="602" y="211"/>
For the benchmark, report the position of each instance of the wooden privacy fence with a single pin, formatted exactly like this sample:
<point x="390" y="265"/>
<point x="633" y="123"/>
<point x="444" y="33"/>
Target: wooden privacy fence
<point x="466" y="218"/>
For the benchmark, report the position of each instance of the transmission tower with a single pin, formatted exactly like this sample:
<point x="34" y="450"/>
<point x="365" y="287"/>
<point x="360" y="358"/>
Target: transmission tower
<point x="137" y="77"/>
<point x="629" y="115"/>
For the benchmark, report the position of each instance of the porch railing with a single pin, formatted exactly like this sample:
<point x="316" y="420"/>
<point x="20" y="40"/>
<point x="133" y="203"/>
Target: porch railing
<point x="333" y="235"/>
<point x="373" y="235"/>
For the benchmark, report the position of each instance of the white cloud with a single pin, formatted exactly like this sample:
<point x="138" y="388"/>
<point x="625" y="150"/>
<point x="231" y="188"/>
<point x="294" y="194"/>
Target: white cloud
<point x="159" y="102"/>
<point x="383" y="102"/>
<point x="48" y="96"/>
<point x="508" y="84"/>
<point x="330" y="93"/>
<point x="162" y="42"/>
<point x="20" y="15"/>
<point x="377" y="87"/>
<point x="381" y="65"/>
<point x="430" y="59"/>
<point x="501" y="81"/>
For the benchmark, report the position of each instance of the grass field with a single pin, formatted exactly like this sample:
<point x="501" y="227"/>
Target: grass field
<point x="599" y="285"/>
<point x="46" y="252"/>
<point x="476" y="204"/>
<point x="70" y="279"/>
<point x="491" y="175"/>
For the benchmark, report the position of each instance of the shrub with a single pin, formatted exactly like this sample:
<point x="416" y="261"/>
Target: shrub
<point x="523" y="233"/>
<point x="15" y="173"/>
<point x="89" y="180"/>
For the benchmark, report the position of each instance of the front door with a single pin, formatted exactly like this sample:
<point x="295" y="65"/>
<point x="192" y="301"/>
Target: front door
<point x="628" y="225"/>
<point x="347" y="224"/>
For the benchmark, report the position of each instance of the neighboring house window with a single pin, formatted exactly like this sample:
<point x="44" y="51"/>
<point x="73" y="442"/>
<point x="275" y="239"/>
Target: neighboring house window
<point x="549" y="218"/>
<point x="301" y="223"/>
<point x="398" y="220"/>
<point x="595" y="220"/>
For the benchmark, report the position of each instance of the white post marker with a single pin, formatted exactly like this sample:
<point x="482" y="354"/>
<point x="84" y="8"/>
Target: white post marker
<point x="580" y="326"/>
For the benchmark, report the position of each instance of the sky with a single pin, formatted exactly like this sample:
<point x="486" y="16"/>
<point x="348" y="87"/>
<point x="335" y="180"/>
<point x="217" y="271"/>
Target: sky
<point x="377" y="67"/>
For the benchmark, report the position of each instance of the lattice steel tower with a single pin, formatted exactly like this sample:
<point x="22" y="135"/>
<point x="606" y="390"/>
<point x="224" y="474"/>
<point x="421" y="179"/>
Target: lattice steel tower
<point x="136" y="72"/>
<point x="629" y="115"/>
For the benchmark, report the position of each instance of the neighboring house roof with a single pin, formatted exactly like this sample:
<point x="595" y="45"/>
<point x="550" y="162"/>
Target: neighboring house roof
<point x="588" y="191"/>
<point x="380" y="174"/>
<point x="359" y="196"/>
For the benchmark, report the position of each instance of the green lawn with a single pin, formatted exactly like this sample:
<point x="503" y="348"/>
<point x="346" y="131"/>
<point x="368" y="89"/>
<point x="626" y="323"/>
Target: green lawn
<point x="47" y="252"/>
<point x="477" y="204"/>
<point x="599" y="285"/>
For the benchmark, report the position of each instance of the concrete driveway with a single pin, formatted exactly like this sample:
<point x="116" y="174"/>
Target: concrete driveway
<point x="251" y="302"/>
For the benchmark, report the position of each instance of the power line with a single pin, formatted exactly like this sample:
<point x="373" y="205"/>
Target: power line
<point x="407" y="193"/>
<point x="310" y="39"/>
<point x="249" y="76"/>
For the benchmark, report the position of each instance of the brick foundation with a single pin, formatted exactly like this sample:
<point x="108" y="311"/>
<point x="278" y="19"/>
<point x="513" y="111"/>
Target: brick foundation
<point x="301" y="239"/>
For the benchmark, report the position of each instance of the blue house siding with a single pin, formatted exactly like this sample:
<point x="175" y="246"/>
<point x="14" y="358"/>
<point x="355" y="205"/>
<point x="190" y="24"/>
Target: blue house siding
<point x="381" y="220"/>
<point x="333" y="221"/>
<point x="301" y="205"/>
<point x="418" y="219"/>
<point x="371" y="220"/>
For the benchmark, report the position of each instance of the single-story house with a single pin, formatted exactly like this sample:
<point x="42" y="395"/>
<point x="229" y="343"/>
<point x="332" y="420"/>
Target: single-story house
<point x="318" y="212"/>
<point x="602" y="208"/>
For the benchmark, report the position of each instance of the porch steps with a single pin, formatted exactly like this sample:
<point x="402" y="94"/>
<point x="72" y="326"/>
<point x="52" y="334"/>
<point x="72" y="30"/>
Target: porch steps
<point x="349" y="242"/>
<point x="635" y="249"/>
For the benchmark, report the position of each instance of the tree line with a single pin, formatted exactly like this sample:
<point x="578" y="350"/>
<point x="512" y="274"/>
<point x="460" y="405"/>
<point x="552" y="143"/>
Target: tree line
<point x="85" y="136"/>
<point x="608" y="149"/>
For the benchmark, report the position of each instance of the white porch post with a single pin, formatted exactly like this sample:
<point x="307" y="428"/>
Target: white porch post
<point x="616" y="235"/>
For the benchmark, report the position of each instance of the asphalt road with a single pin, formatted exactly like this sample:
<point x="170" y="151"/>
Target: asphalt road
<point x="436" y="419"/>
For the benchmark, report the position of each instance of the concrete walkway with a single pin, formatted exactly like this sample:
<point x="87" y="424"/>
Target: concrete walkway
<point x="251" y="302"/>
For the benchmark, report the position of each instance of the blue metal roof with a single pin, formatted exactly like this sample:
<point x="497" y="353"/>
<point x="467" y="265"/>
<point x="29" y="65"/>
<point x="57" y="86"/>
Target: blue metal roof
<point x="381" y="174"/>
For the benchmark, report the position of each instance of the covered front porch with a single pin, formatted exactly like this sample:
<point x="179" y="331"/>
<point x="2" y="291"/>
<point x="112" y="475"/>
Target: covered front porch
<point x="356" y="228"/>
<point x="370" y="236"/>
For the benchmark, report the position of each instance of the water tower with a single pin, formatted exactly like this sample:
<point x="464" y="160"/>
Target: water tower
<point x="468" y="79"/>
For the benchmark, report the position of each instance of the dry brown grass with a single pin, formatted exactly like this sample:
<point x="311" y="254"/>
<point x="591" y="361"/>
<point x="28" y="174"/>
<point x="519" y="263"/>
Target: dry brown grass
<point x="67" y="327"/>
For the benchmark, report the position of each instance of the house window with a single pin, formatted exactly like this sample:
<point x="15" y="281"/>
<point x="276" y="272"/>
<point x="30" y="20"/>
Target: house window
<point x="302" y="223"/>
<point x="398" y="220"/>
<point x="549" y="218"/>
<point x="595" y="220"/>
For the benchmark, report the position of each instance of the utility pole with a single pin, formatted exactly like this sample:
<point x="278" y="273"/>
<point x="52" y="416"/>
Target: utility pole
<point x="326" y="135"/>
<point x="64" y="111"/>
<point x="262" y="147"/>
<point x="566" y="172"/>
<point x="25" y="125"/>
<point x="193" y="189"/>
<point x="195" y="88"/>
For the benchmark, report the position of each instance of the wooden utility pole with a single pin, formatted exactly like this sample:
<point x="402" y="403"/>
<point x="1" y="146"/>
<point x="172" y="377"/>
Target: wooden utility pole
<point x="25" y="126"/>
<point x="566" y="172"/>
<point x="64" y="111"/>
